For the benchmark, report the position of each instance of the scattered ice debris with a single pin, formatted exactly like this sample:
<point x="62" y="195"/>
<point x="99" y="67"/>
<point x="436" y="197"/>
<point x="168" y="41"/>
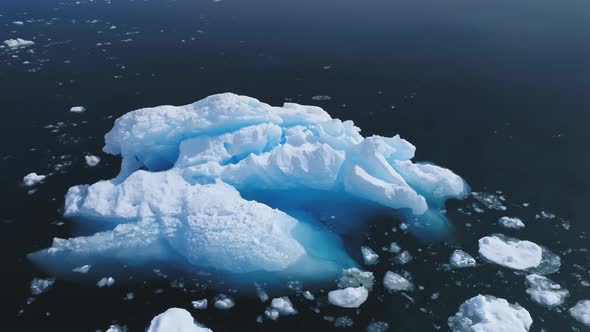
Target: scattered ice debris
<point x="513" y="253"/>
<point x="280" y="306"/>
<point x="177" y="320"/>
<point x="378" y="327"/>
<point x="581" y="312"/>
<point x="92" y="160"/>
<point x="395" y="282"/>
<point x="78" y="109"/>
<point x="105" y="282"/>
<point x="343" y="321"/>
<point x="200" y="304"/>
<point x="18" y="43"/>
<point x="511" y="222"/>
<point x="545" y="215"/>
<point x="369" y="256"/>
<point x="544" y="291"/>
<point x="224" y="302"/>
<point x="32" y="179"/>
<point x="351" y="297"/>
<point x="460" y="259"/>
<point x="404" y="257"/>
<point x="178" y="192"/>
<point x="354" y="277"/>
<point x="39" y="286"/>
<point x="308" y="296"/>
<point x="321" y="98"/>
<point x="490" y="201"/>
<point x="484" y="313"/>
<point x="82" y="269"/>
<point x="394" y="248"/>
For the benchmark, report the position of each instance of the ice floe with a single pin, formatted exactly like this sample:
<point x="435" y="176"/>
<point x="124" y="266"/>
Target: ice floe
<point x="460" y="259"/>
<point x="280" y="306"/>
<point x="513" y="253"/>
<point x="18" y="43"/>
<point x="544" y="291"/>
<point x="351" y="297"/>
<point x="370" y="257"/>
<point x="32" y="179"/>
<point x="511" y="222"/>
<point x="484" y="313"/>
<point x="581" y="312"/>
<point x="92" y="160"/>
<point x="396" y="282"/>
<point x="177" y="320"/>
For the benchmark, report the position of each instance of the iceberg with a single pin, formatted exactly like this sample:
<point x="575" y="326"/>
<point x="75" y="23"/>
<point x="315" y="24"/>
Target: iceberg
<point x="513" y="253"/>
<point x="234" y="184"/>
<point x="485" y="313"/>
<point x="175" y="319"/>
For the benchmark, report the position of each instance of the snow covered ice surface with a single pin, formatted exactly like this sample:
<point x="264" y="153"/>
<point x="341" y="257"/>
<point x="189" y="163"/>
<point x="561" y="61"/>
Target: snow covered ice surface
<point x="484" y="313"/>
<point x="544" y="291"/>
<point x="581" y="312"/>
<point x="512" y="253"/>
<point x="191" y="175"/>
<point x="175" y="320"/>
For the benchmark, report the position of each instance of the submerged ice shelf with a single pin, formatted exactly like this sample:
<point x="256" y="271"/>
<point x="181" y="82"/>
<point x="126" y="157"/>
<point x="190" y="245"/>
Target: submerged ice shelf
<point x="192" y="183"/>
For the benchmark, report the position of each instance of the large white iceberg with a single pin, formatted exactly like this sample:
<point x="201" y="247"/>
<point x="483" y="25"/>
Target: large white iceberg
<point x="484" y="313"/>
<point x="193" y="179"/>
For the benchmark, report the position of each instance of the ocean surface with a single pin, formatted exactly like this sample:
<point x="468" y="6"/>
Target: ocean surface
<point x="497" y="91"/>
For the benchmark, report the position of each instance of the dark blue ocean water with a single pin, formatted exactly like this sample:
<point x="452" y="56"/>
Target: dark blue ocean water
<point x="497" y="91"/>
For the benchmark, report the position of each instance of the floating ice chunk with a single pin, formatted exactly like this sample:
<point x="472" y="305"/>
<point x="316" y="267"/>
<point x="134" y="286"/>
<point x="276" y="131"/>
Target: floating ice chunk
<point x="82" y="269"/>
<point x="78" y="109"/>
<point x="510" y="222"/>
<point x="545" y="215"/>
<point x="105" y="282"/>
<point x="351" y="297"/>
<point x="460" y="259"/>
<point x="490" y="201"/>
<point x="33" y="179"/>
<point x="223" y="302"/>
<point x="404" y="257"/>
<point x="18" y="43"/>
<point x="581" y="312"/>
<point x="395" y="282"/>
<point x="200" y="304"/>
<point x="544" y="291"/>
<point x="354" y="277"/>
<point x="394" y="248"/>
<point x="262" y="294"/>
<point x="343" y="321"/>
<point x="92" y="160"/>
<point x="378" y="327"/>
<point x="484" y="313"/>
<point x="18" y="23"/>
<point x="116" y="328"/>
<point x="512" y="253"/>
<point x="280" y="306"/>
<point x="175" y="320"/>
<point x="369" y="256"/>
<point x="320" y="98"/>
<point x="39" y="286"/>
<point x="308" y="296"/>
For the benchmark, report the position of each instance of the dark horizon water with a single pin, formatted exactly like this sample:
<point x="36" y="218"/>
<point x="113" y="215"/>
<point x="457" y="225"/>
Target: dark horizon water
<point x="496" y="91"/>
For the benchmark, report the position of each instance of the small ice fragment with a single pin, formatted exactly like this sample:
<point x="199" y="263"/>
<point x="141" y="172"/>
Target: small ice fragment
<point x="108" y="282"/>
<point x="321" y="98"/>
<point x="581" y="312"/>
<point x="224" y="302"/>
<point x="378" y="327"/>
<point x="354" y="277"/>
<point x="394" y="248"/>
<point x="92" y="160"/>
<point x="308" y="296"/>
<point x="18" y="23"/>
<point x="78" y="109"/>
<point x="343" y="321"/>
<point x="351" y="297"/>
<point x="544" y="291"/>
<point x="370" y="257"/>
<point x="39" y="286"/>
<point x="82" y="269"/>
<point x="395" y="282"/>
<point x="487" y="313"/>
<point x="404" y="258"/>
<point x="177" y="320"/>
<point x="460" y="259"/>
<point x="510" y="222"/>
<point x="200" y="304"/>
<point x="18" y="43"/>
<point x="513" y="253"/>
<point x="32" y="179"/>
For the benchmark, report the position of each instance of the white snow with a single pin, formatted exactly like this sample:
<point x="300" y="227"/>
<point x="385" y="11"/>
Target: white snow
<point x="78" y="109"/>
<point x="544" y="291"/>
<point x="511" y="222"/>
<point x="354" y="277"/>
<point x="200" y="304"/>
<point x="175" y="320"/>
<point x="369" y="256"/>
<point x="581" y="312"/>
<point x="512" y="253"/>
<point x="18" y="43"/>
<point x="396" y="282"/>
<point x="280" y="306"/>
<point x="460" y="259"/>
<point x="92" y="160"/>
<point x="32" y="179"/>
<point x="178" y="195"/>
<point x="484" y="313"/>
<point x="351" y="297"/>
